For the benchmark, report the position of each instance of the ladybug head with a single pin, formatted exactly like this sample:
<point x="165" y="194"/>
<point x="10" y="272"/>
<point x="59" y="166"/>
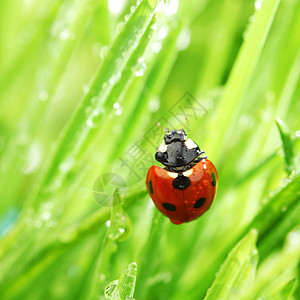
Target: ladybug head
<point x="176" y="150"/>
<point x="176" y="135"/>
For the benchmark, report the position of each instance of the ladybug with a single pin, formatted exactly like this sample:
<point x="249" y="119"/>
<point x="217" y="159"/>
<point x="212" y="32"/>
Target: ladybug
<point x="185" y="188"/>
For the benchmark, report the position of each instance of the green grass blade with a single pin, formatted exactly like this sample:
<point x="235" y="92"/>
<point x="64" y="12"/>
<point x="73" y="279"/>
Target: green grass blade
<point x="287" y="145"/>
<point x="276" y="271"/>
<point x="123" y="289"/>
<point x="243" y="69"/>
<point x="274" y="210"/>
<point x="82" y="128"/>
<point x="233" y="268"/>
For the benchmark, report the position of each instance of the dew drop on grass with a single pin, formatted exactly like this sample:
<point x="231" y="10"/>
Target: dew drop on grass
<point x="257" y="4"/>
<point x="115" y="78"/>
<point x="116" y="105"/>
<point x="140" y="68"/>
<point x="67" y="164"/>
<point x="132" y="8"/>
<point x="33" y="158"/>
<point x="120" y="226"/>
<point x="116" y="7"/>
<point x="43" y="95"/>
<point x="154" y="104"/>
<point x="65" y="34"/>
<point x="46" y="215"/>
<point x="156" y="46"/>
<point x="208" y="103"/>
<point x="184" y="39"/>
<point x="86" y="88"/>
<point x="284" y="209"/>
<point x="120" y="26"/>
<point x="294" y="238"/>
<point x="297" y="133"/>
<point x="111" y="290"/>
<point x="94" y="118"/>
<point x="126" y="18"/>
<point x="103" y="51"/>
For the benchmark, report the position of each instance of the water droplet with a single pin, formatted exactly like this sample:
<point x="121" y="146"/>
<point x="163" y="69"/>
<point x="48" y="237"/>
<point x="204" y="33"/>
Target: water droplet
<point x="114" y="79"/>
<point x="120" y="26"/>
<point x="103" y="52"/>
<point x="141" y="67"/>
<point x="132" y="8"/>
<point x="246" y="121"/>
<point x="46" y="215"/>
<point x="65" y="34"/>
<point x="168" y="8"/>
<point x="33" y="158"/>
<point x="184" y="39"/>
<point x="294" y="238"/>
<point x="86" y="88"/>
<point x="283" y="209"/>
<point x="67" y="164"/>
<point x="126" y="18"/>
<point x="94" y="118"/>
<point x="297" y="133"/>
<point x="154" y="104"/>
<point x="95" y="100"/>
<point x="121" y="226"/>
<point x="208" y="103"/>
<point x="108" y="223"/>
<point x="116" y="105"/>
<point x="257" y="4"/>
<point x="162" y="33"/>
<point x="111" y="290"/>
<point x="116" y="7"/>
<point x="156" y="46"/>
<point x="43" y="95"/>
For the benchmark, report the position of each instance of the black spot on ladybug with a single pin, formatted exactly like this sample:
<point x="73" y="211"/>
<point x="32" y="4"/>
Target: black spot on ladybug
<point x="199" y="202"/>
<point x="169" y="206"/>
<point x="181" y="182"/>
<point x="150" y="187"/>
<point x="213" y="178"/>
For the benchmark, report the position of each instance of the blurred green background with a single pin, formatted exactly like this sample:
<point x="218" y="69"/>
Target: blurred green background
<point x="83" y="85"/>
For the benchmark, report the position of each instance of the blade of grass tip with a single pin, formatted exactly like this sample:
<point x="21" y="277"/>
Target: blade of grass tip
<point x="122" y="289"/>
<point x="242" y="72"/>
<point x="287" y="145"/>
<point x="82" y="127"/>
<point x="233" y="268"/>
<point x="273" y="269"/>
<point x="120" y="228"/>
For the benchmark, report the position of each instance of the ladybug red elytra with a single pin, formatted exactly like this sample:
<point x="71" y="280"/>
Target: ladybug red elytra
<point x="185" y="188"/>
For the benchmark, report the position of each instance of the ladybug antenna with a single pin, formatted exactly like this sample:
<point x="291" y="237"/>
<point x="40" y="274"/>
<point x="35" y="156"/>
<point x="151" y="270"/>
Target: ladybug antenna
<point x="159" y="125"/>
<point x="185" y="120"/>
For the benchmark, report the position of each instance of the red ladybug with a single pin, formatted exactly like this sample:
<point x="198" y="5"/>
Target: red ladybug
<point x="185" y="188"/>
